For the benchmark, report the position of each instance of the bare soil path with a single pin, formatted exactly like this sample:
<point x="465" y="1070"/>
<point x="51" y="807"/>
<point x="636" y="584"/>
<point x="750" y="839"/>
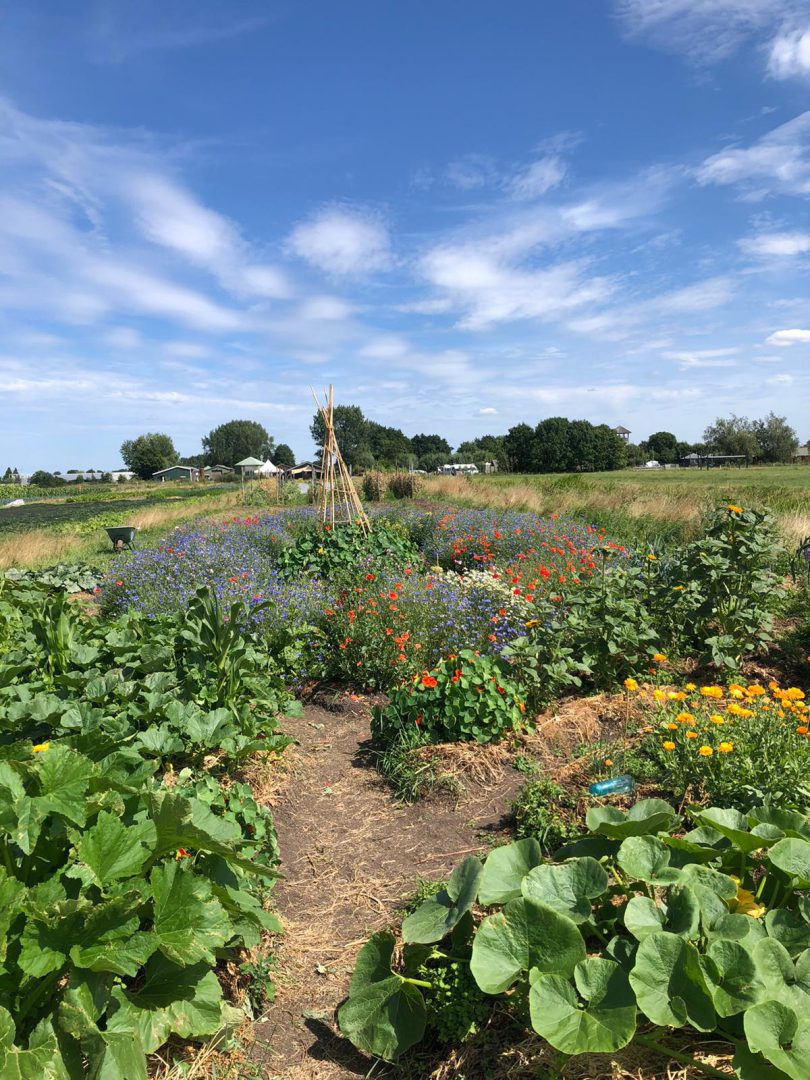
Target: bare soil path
<point x="350" y="854"/>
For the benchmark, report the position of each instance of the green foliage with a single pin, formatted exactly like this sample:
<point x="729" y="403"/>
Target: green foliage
<point x="283" y="455"/>
<point x="544" y="810"/>
<point x="70" y="578"/>
<point x="337" y="553"/>
<point x="637" y="924"/>
<point x="43" y="479"/>
<point x="148" y="454"/>
<point x="465" y="697"/>
<point x="724" y="586"/>
<point x="236" y="440"/>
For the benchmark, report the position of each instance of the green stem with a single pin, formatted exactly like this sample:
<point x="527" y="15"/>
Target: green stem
<point x="41" y="990"/>
<point x="417" y="982"/>
<point x="7" y="859"/>
<point x="676" y="1055"/>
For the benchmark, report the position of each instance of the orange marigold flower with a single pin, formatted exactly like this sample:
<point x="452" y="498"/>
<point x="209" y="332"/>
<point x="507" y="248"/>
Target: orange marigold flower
<point x="735" y="509"/>
<point x="725" y="747"/>
<point x="691" y="734"/>
<point x="630" y="684"/>
<point x="672" y="727"/>
<point x="659" y="658"/>
<point x="668" y="745"/>
<point x="685" y="718"/>
<point x="801" y="729"/>
<point x="712" y="691"/>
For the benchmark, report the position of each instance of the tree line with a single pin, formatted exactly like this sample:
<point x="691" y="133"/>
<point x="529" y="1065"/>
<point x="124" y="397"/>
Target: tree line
<point x="224" y="445"/>
<point x="769" y="440"/>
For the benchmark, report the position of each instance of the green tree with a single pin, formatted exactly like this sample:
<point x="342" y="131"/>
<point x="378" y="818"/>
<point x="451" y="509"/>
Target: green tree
<point x="8" y="476"/>
<point x="610" y="448"/>
<point x="663" y="447"/>
<point x="552" y="448"/>
<point x="283" y="455"/>
<point x="430" y="444"/>
<point x="732" y="435"/>
<point x="236" y="440"/>
<point x="583" y="446"/>
<point x="149" y="453"/>
<point x="41" y="478"/>
<point x="519" y="448"/>
<point x="350" y="431"/>
<point x="777" y="439"/>
<point x="431" y="462"/>
<point x="389" y="445"/>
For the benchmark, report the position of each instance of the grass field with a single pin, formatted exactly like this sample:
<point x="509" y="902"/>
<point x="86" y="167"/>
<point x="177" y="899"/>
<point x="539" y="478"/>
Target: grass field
<point x="642" y="504"/>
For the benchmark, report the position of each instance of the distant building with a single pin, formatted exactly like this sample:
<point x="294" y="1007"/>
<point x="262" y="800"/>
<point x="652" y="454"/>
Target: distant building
<point x="623" y="433"/>
<point x="802" y="456"/>
<point x="305" y="471"/>
<point x="217" y="472"/>
<point x="177" y="472"/>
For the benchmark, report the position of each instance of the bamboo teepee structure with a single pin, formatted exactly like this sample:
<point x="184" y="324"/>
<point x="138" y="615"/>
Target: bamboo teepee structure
<point x="338" y="502"/>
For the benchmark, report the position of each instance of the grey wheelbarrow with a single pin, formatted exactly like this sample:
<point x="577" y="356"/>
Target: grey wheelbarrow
<point x="122" y="536"/>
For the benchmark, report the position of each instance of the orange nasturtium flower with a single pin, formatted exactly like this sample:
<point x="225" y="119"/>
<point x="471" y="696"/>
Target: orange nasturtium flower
<point x="428" y="681"/>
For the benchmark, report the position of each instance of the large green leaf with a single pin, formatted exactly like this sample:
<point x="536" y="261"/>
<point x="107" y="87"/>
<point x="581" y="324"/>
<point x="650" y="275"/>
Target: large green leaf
<point x="791" y="822"/>
<point x="111" y="850"/>
<point x="437" y="916"/>
<point x="567" y="887"/>
<point x="605" y="1023"/>
<point x="784" y="981"/>
<point x="647" y="817"/>
<point x="64" y="777"/>
<point x="504" y="870"/>
<point x="384" y="1015"/>
<point x="647" y="859"/>
<point x="526" y="934"/>
<point x="189" y="923"/>
<point x="788" y="929"/>
<point x="734" y="826"/>
<point x="781" y="1035"/>
<point x="679" y="915"/>
<point x="117" y="1056"/>
<point x="732" y="977"/>
<point x="669" y="984"/>
<point x="172" y="998"/>
<point x="792" y="857"/>
<point x="12" y="893"/>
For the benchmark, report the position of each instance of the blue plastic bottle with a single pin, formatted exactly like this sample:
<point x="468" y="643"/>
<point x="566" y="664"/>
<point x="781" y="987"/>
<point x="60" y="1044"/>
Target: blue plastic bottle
<point x="619" y="785"/>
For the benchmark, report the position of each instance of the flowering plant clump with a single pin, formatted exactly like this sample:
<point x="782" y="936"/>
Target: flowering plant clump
<point x="730" y="744"/>
<point x="466" y="696"/>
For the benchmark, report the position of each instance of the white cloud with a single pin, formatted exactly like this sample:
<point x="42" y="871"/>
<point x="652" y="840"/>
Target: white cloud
<point x="790" y="55"/>
<point x="789" y="337"/>
<point x="781" y="380"/>
<point x="778" y="160"/>
<point x="702" y="296"/>
<point x="472" y="171"/>
<point x="703" y="358"/>
<point x="776" y="245"/>
<point x="122" y="337"/>
<point x="706" y="30"/>
<point x="489" y="291"/>
<point x="342" y="242"/>
<point x="488" y="412"/>
<point x="538" y="178"/>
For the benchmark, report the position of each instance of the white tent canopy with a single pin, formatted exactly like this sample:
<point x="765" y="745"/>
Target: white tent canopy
<point x="267" y="468"/>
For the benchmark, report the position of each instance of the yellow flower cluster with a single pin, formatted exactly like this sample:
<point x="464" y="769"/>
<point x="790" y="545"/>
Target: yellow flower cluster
<point x="694" y="729"/>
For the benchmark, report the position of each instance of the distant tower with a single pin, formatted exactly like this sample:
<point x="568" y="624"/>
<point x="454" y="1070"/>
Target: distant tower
<point x="622" y="432"/>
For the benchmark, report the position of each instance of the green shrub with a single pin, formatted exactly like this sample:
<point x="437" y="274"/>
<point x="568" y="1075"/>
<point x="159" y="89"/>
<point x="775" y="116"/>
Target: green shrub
<point x="467" y="696"/>
<point x="642" y="929"/>
<point x="337" y="552"/>
<point x="545" y="811"/>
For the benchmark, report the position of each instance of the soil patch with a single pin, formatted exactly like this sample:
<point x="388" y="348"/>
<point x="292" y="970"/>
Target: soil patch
<point x="350" y="855"/>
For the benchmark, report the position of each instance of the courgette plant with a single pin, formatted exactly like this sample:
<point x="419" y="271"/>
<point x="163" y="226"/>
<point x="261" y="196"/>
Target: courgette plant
<point x="636" y="929"/>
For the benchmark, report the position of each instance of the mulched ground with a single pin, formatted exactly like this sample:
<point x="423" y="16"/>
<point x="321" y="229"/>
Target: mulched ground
<point x="350" y="855"/>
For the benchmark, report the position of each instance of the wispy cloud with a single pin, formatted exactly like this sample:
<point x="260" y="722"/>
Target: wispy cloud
<point x="126" y="29"/>
<point x="779" y="161"/>
<point x="776" y="245"/>
<point x="790" y="55"/>
<point x="789" y="337"/>
<point x="342" y="242"/>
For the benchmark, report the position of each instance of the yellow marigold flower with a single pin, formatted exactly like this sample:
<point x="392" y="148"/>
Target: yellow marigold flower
<point x="659" y="695"/>
<point x="652" y="558"/>
<point x="716" y="718"/>
<point x="684" y="718"/>
<point x="668" y="745"/>
<point x="690" y="686"/>
<point x="691" y="734"/>
<point x="755" y="690"/>
<point x="677" y="588"/>
<point x="794" y="694"/>
<point x="712" y="691"/>
<point x="671" y="727"/>
<point x="659" y="658"/>
<point x="676" y="695"/>
<point x="736" y="692"/>
<point x="630" y="684"/>
<point x="735" y="509"/>
<point x="745" y="713"/>
<point x="705" y="751"/>
<point x="725" y="747"/>
<point x="40" y="748"/>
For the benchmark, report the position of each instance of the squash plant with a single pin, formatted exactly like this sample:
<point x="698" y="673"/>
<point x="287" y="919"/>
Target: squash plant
<point x="633" y="930"/>
<point x="116" y="898"/>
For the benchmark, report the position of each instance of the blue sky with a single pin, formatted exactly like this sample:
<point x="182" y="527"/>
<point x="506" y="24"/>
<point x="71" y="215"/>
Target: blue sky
<point x="463" y="214"/>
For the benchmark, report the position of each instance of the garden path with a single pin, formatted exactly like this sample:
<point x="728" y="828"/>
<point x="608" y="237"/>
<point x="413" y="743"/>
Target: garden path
<point x="350" y="854"/>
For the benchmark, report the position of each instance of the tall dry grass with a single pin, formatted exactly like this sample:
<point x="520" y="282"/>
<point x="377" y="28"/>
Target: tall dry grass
<point x="44" y="547"/>
<point x="673" y="510"/>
